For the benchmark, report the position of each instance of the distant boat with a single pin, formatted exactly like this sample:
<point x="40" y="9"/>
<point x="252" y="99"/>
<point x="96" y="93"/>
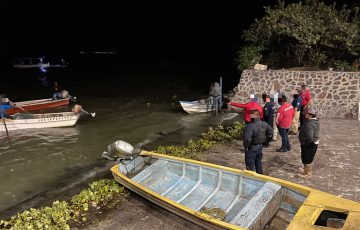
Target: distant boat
<point x="36" y="121"/>
<point x="39" y="62"/>
<point x="217" y="197"/>
<point x="198" y="106"/>
<point x="25" y="106"/>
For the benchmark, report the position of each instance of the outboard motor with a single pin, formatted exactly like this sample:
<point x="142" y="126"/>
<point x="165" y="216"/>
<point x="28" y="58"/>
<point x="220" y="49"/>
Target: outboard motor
<point x="121" y="150"/>
<point x="65" y="94"/>
<point x="77" y="108"/>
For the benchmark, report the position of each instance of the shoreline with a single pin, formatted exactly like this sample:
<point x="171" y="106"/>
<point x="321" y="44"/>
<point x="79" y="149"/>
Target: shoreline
<point x="65" y="189"/>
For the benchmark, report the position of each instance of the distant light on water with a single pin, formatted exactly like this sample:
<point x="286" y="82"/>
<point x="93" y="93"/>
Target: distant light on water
<point x="43" y="70"/>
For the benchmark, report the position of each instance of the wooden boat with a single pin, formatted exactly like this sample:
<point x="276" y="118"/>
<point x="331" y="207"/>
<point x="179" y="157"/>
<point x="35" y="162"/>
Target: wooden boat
<point x="198" y="106"/>
<point x="23" y="106"/>
<point x="217" y="197"/>
<point x="35" y="121"/>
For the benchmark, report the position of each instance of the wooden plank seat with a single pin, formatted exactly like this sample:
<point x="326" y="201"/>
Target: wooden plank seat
<point x="260" y="209"/>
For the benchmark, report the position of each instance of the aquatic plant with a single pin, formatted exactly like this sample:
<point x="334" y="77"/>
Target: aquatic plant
<point x="209" y="139"/>
<point x="105" y="193"/>
<point x="54" y="217"/>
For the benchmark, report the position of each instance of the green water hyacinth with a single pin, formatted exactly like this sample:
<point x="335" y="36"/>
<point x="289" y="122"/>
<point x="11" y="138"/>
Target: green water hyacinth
<point x="103" y="193"/>
<point x="209" y="139"/>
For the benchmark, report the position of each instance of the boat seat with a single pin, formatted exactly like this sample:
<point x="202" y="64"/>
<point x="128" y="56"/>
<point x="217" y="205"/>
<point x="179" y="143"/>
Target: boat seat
<point x="257" y="213"/>
<point x="149" y="170"/>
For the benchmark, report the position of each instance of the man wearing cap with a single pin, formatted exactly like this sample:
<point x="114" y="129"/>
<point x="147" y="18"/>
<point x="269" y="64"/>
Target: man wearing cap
<point x="255" y="134"/>
<point x="284" y="119"/>
<point x="252" y="105"/>
<point x="309" y="140"/>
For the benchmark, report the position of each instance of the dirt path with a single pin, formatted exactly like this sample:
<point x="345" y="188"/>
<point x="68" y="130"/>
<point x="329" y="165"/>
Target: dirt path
<point x="336" y="171"/>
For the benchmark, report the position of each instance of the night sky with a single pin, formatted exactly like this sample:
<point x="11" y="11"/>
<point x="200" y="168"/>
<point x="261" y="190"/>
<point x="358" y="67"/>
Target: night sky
<point x="97" y="25"/>
<point x="138" y="26"/>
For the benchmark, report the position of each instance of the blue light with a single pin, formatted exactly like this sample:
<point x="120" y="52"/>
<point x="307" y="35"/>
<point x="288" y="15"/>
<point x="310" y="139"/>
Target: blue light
<point x="43" y="70"/>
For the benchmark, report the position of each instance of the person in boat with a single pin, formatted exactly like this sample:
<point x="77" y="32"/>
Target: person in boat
<point x="5" y="104"/>
<point x="215" y="93"/>
<point x="255" y="135"/>
<point x="252" y="105"/>
<point x="309" y="141"/>
<point x="268" y="112"/>
<point x="56" y="91"/>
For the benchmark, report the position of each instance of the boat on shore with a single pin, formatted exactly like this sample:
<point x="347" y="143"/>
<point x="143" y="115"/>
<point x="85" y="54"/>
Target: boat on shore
<point x="217" y="197"/>
<point x="198" y="106"/>
<point x="37" y="121"/>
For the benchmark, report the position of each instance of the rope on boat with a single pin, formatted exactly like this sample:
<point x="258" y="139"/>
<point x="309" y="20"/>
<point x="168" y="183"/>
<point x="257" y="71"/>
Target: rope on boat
<point x="214" y="212"/>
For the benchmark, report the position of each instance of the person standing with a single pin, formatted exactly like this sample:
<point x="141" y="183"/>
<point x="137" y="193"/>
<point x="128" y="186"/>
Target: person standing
<point x="252" y="105"/>
<point x="268" y="112"/>
<point x="284" y="119"/>
<point x="255" y="134"/>
<point x="296" y="103"/>
<point x="275" y="98"/>
<point x="215" y="93"/>
<point x="305" y="101"/>
<point x="309" y="140"/>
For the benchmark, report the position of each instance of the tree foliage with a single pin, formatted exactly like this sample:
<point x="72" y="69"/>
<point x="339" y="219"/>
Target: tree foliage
<point x="307" y="33"/>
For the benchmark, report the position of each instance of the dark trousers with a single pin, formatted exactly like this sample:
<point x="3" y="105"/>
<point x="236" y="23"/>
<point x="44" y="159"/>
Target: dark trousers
<point x="302" y="116"/>
<point x="308" y="153"/>
<point x="285" y="143"/>
<point x="253" y="158"/>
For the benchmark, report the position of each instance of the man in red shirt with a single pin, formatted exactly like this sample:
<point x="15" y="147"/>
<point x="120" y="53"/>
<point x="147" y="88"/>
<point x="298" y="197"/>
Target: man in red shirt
<point x="252" y="105"/>
<point x="284" y="119"/>
<point x="305" y="100"/>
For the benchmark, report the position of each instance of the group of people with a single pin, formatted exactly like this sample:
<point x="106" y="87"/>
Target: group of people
<point x="279" y="116"/>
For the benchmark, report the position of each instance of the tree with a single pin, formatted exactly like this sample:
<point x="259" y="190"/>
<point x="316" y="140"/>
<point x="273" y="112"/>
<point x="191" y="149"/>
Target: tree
<point x="307" y="34"/>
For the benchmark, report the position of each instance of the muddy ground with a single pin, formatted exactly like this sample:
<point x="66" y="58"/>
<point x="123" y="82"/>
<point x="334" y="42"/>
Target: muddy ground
<point x="336" y="170"/>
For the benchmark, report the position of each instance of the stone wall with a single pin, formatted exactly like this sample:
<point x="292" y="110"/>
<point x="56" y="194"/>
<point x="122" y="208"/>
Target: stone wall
<point x="335" y="94"/>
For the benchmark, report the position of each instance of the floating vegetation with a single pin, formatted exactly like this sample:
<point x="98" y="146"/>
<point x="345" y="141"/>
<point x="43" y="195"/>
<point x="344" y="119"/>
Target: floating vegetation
<point x="209" y="139"/>
<point x="102" y="194"/>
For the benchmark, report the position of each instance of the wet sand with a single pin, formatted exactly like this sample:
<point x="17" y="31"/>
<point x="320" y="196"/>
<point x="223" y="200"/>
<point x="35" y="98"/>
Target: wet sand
<point x="336" y="170"/>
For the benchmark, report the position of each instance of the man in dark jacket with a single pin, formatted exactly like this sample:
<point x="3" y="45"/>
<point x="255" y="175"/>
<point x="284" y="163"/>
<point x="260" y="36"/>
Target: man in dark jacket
<point x="256" y="133"/>
<point x="309" y="140"/>
<point x="268" y="112"/>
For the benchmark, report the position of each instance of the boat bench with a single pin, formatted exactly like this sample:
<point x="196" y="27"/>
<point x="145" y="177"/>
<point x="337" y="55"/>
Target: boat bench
<point x="260" y="209"/>
<point x="149" y="171"/>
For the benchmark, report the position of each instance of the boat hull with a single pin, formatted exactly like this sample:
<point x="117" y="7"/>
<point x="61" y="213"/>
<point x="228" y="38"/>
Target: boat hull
<point x="36" y="105"/>
<point x="199" y="106"/>
<point x="49" y="120"/>
<point x="313" y="203"/>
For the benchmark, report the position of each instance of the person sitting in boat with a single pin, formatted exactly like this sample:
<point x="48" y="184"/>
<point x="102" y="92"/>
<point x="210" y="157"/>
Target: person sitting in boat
<point x="215" y="93"/>
<point x="5" y="104"/>
<point x="56" y="91"/>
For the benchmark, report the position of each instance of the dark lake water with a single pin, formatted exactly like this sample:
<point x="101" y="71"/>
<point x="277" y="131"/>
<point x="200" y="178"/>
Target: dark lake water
<point x="135" y="101"/>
